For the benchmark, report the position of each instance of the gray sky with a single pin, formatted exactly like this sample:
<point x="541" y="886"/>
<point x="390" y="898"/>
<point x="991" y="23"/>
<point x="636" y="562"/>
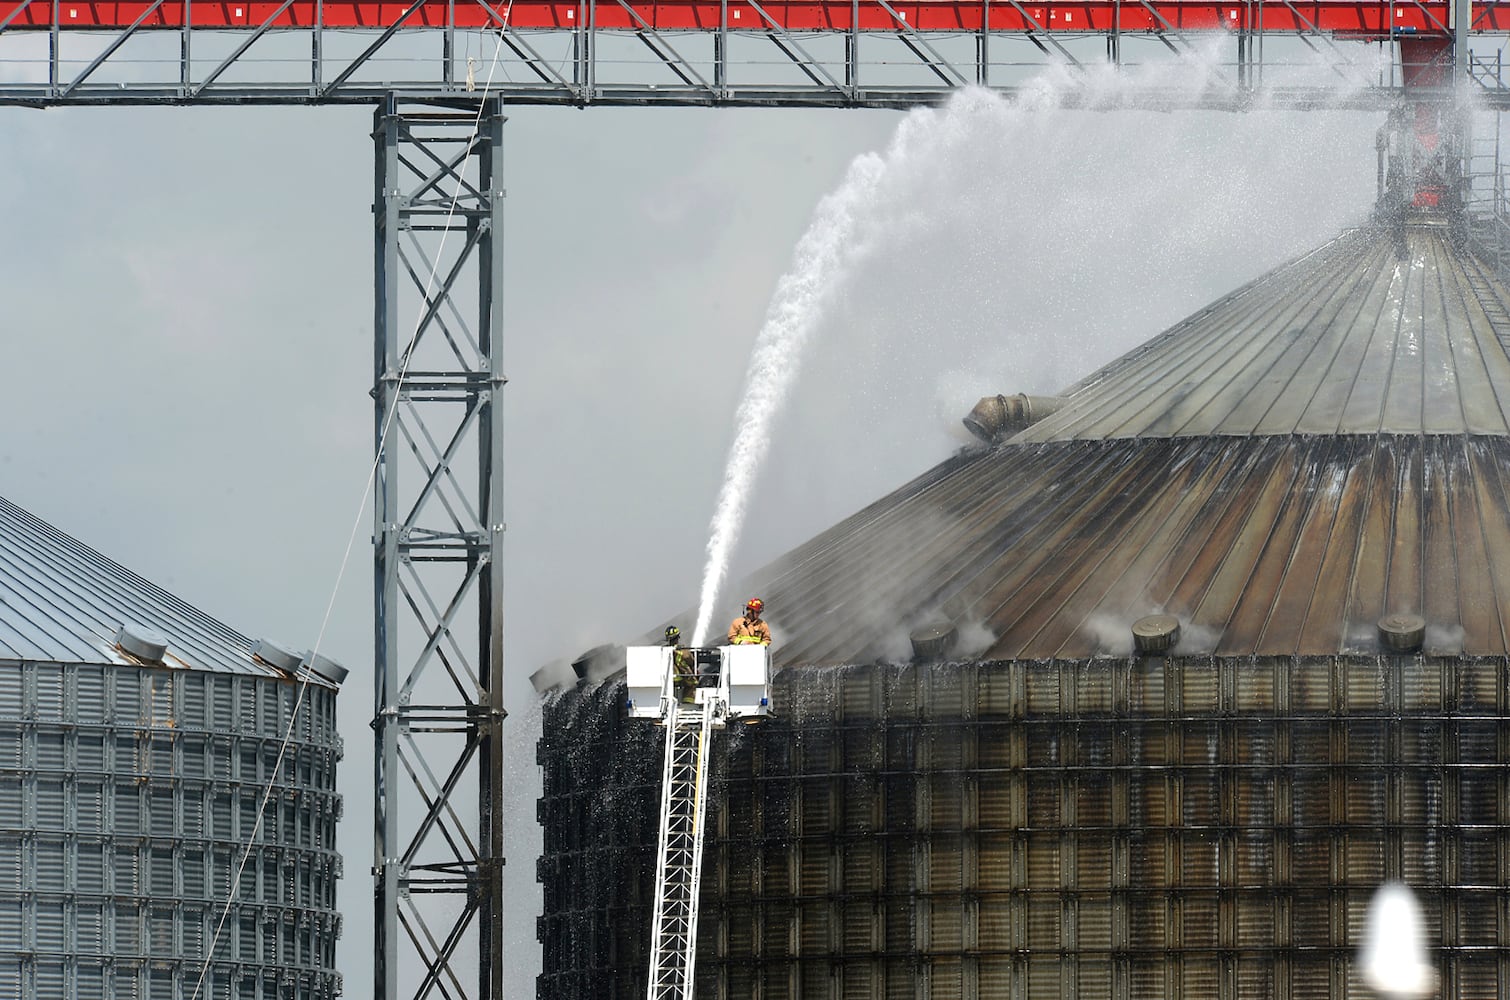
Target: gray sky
<point x="188" y="342"/>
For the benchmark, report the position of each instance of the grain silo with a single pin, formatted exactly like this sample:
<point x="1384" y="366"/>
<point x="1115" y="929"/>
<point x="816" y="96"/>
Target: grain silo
<point x="137" y="739"/>
<point x="1225" y="634"/>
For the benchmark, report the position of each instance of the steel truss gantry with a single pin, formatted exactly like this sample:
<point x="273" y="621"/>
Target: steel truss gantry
<point x="816" y="53"/>
<point x="438" y="541"/>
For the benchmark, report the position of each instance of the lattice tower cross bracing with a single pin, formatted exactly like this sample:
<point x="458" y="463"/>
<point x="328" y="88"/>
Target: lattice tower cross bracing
<point x="438" y="538"/>
<point x="815" y="53"/>
<point x="438" y="848"/>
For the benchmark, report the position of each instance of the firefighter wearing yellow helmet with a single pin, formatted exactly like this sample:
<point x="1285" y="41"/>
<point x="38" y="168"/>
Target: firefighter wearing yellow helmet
<point x="749" y="627"/>
<point x="683" y="666"/>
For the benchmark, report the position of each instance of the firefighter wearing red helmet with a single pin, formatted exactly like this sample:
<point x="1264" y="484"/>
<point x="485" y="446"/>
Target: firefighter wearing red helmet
<point x="749" y="627"/>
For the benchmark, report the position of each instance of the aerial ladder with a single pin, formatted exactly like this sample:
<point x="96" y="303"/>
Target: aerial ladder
<point x="691" y="692"/>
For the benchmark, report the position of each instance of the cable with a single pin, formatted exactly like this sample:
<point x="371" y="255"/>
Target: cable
<point x="235" y="883"/>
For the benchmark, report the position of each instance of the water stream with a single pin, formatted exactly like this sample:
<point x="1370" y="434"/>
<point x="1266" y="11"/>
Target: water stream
<point x="1029" y="209"/>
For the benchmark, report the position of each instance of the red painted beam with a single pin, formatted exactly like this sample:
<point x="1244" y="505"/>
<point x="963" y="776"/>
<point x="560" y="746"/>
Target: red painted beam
<point x="1373" y="20"/>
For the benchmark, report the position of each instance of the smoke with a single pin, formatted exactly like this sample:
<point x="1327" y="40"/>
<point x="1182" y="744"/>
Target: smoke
<point x="974" y="639"/>
<point x="1113" y="633"/>
<point x="895" y="646"/>
<point x="1008" y="245"/>
<point x="971" y="639"/>
<point x="1114" y="636"/>
<point x="1443" y="639"/>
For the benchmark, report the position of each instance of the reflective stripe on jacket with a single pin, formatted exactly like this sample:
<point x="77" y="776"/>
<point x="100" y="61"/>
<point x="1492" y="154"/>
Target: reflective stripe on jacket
<point x="745" y="631"/>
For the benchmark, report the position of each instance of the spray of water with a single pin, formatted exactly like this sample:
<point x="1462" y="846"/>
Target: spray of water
<point x="794" y="312"/>
<point x="936" y="177"/>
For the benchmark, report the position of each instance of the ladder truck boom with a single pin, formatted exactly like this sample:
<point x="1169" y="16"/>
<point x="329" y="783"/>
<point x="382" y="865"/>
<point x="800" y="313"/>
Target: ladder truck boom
<point x="679" y="851"/>
<point x="691" y="692"/>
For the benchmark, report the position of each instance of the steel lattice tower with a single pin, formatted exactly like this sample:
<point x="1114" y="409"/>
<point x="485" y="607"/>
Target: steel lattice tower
<point x="438" y="541"/>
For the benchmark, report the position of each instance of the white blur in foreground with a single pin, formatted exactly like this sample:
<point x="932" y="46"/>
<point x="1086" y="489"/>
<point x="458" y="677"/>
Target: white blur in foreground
<point x="1394" y="961"/>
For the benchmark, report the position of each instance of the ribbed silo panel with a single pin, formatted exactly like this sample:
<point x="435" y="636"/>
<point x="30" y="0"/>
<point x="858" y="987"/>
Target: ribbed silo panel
<point x="1070" y="828"/>
<point x="130" y="795"/>
<point x="1268" y="546"/>
<point x="1381" y="331"/>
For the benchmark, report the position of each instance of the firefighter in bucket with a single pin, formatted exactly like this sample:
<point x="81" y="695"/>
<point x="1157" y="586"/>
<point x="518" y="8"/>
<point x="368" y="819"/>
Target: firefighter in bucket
<point x="683" y="667"/>
<point x="750" y="627"/>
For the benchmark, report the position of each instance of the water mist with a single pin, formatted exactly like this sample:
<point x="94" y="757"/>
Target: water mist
<point x="988" y="248"/>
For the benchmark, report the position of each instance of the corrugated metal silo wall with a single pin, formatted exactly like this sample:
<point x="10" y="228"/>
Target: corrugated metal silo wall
<point x="601" y="777"/>
<point x="128" y="797"/>
<point x="1144" y="828"/>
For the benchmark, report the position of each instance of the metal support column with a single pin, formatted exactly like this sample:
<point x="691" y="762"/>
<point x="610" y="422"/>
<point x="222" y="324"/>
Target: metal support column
<point x="1462" y="82"/>
<point x="438" y="380"/>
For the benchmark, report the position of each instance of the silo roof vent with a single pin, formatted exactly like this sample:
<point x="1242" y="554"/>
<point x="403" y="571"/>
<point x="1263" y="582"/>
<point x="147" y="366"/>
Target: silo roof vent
<point x="934" y="640"/>
<point x="277" y="655"/>
<point x="557" y="673"/>
<point x="599" y="663"/>
<point x="323" y="666"/>
<point x="1402" y="633"/>
<point x="996" y="417"/>
<point x="141" y="642"/>
<point x="1156" y="633"/>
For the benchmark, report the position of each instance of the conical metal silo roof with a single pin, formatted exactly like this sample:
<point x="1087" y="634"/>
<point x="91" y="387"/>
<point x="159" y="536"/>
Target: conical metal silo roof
<point x="1370" y="334"/>
<point x="1323" y="447"/>
<point x="64" y="602"/>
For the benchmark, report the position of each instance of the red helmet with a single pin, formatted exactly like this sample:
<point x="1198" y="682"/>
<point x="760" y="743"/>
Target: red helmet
<point x="755" y="604"/>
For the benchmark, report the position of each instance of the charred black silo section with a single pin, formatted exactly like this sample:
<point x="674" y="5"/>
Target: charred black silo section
<point x="601" y="794"/>
<point x="1116" y="827"/>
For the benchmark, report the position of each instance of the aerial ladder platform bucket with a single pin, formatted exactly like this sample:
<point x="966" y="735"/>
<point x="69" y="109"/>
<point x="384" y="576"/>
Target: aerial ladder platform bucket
<point x="691" y="695"/>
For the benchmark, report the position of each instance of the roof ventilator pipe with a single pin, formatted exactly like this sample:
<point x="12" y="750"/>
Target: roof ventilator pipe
<point x="1156" y="633"/>
<point x="996" y="417"/>
<point x="1402" y="633"/>
<point x="141" y="642"/>
<point x="934" y="640"/>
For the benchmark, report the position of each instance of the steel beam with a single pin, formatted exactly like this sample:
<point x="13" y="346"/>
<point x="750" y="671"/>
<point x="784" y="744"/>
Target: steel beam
<point x="1348" y="17"/>
<point x="1491" y="97"/>
<point x="732" y="53"/>
<point x="437" y="545"/>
